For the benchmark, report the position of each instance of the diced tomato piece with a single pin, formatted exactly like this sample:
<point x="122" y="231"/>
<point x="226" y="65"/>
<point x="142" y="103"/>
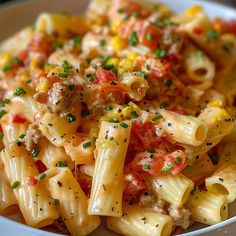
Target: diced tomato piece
<point x="42" y="45"/>
<point x="135" y="8"/>
<point x="40" y="166"/>
<point x="20" y="119"/>
<point x="197" y="30"/>
<point x="180" y="110"/>
<point x="231" y="26"/>
<point x="159" y="163"/>
<point x="23" y="55"/>
<point x="32" y="181"/>
<point x="133" y="185"/>
<point x="104" y="76"/>
<point x="150" y="36"/>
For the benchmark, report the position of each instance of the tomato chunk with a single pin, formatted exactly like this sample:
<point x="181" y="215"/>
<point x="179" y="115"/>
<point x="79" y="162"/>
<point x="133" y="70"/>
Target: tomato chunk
<point x="20" y="119"/>
<point x="104" y="76"/>
<point x="40" y="166"/>
<point x="32" y="181"/>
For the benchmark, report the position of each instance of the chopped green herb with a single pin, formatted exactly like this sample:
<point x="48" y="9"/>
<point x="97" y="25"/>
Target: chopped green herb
<point x="110" y="67"/>
<point x="66" y="66"/>
<point x="168" y="168"/>
<point x="156" y="118"/>
<point x="178" y="159"/>
<point x="134" y="115"/>
<point x="136" y="14"/>
<point x="165" y="22"/>
<point x="159" y="53"/>
<point x="71" y="87"/>
<point x="85" y="113"/>
<point x="102" y="42"/>
<point x="120" y="10"/>
<point x="35" y="153"/>
<point x="15" y="184"/>
<point x="76" y="40"/>
<point x="199" y="53"/>
<point x="16" y="61"/>
<point x="86" y="145"/>
<point x="28" y="81"/>
<point x="63" y="75"/>
<point x="2" y="113"/>
<point x="148" y="67"/>
<point x="19" y="91"/>
<point x="143" y="74"/>
<point x="57" y="45"/>
<point x="1" y="136"/>
<point x="133" y="40"/>
<point x="124" y="125"/>
<point x="56" y="202"/>
<point x="94" y="138"/>
<point x="146" y="166"/>
<point x="114" y="120"/>
<point x="6" y="101"/>
<point x="7" y="68"/>
<point x="105" y="59"/>
<point x="62" y="164"/>
<point x="91" y="78"/>
<point x="214" y="157"/>
<point x="108" y="107"/>
<point x="125" y="105"/>
<point x="149" y="37"/>
<point x="212" y="34"/>
<point x="70" y="118"/>
<point x="168" y="83"/>
<point x="151" y="151"/>
<point x="41" y="176"/>
<point x="22" y="136"/>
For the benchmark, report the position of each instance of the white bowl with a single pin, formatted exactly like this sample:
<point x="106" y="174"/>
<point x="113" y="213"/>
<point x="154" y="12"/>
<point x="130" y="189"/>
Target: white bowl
<point x="15" y="16"/>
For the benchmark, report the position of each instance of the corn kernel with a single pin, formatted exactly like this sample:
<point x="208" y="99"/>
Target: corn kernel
<point x="118" y="43"/>
<point x="5" y="59"/>
<point x="192" y="11"/>
<point x="126" y="111"/>
<point x="217" y="103"/>
<point x="164" y="10"/>
<point x="113" y="61"/>
<point x="125" y="65"/>
<point x="115" y="25"/>
<point x="43" y="85"/>
<point x="132" y="55"/>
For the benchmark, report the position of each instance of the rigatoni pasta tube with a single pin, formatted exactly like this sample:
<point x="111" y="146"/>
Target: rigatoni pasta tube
<point x="207" y="208"/>
<point x="223" y="183"/>
<point x="184" y="129"/>
<point x="7" y="196"/>
<point x="140" y="222"/>
<point x="107" y="185"/>
<point x="137" y="86"/>
<point x="33" y="200"/>
<point x="72" y="203"/>
<point x="198" y="66"/>
<point x="173" y="189"/>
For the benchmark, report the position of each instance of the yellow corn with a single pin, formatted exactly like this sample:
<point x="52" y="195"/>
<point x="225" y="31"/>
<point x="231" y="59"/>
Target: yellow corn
<point x="229" y="37"/>
<point x="192" y="11"/>
<point x="115" y="25"/>
<point x="217" y="103"/>
<point x="132" y="56"/>
<point x="34" y="63"/>
<point x="48" y="67"/>
<point x="164" y="10"/>
<point x="125" y="65"/>
<point x="43" y="85"/>
<point x="223" y="114"/>
<point x="113" y="61"/>
<point x="5" y="59"/>
<point x="118" y="43"/>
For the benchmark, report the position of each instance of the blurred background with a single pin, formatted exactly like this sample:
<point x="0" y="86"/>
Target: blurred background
<point x="227" y="2"/>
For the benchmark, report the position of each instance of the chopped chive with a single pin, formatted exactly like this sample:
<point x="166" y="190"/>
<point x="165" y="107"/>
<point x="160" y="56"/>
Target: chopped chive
<point x="19" y="91"/>
<point x="7" y="68"/>
<point x="156" y="118"/>
<point x="63" y="75"/>
<point x="148" y="67"/>
<point x="35" y="153"/>
<point x="71" y="87"/>
<point x="66" y="66"/>
<point x="6" y="101"/>
<point x="91" y="78"/>
<point x="62" y="164"/>
<point x="199" y="53"/>
<point x="70" y="118"/>
<point x="212" y="34"/>
<point x="94" y="138"/>
<point x="143" y="74"/>
<point x="151" y="151"/>
<point x="86" y="145"/>
<point x="41" y="176"/>
<point x="159" y="53"/>
<point x="168" y="168"/>
<point x="16" y="61"/>
<point x="102" y="43"/>
<point x="134" y="115"/>
<point x="168" y="83"/>
<point x="149" y="37"/>
<point x="120" y="10"/>
<point x="1" y="136"/>
<point x="85" y="113"/>
<point x="108" y="107"/>
<point x="124" y="125"/>
<point x="146" y="166"/>
<point x="178" y="159"/>
<point x="2" y="113"/>
<point x="22" y="136"/>
<point x="76" y="40"/>
<point x="56" y="201"/>
<point x="28" y="81"/>
<point x="57" y="45"/>
<point x="133" y="40"/>
<point x="105" y="59"/>
<point x="15" y="184"/>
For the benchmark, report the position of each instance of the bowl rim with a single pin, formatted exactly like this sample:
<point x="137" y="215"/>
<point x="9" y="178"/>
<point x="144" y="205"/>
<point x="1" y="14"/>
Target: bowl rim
<point x="207" y="229"/>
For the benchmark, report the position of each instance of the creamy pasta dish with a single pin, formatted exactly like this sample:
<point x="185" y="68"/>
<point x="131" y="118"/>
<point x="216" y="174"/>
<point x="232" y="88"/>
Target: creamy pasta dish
<point x="126" y="113"/>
